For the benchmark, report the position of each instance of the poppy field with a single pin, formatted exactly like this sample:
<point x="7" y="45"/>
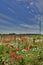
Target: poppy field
<point x="21" y="50"/>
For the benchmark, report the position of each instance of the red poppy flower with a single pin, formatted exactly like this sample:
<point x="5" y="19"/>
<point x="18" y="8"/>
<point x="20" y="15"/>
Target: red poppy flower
<point x="13" y="55"/>
<point x="12" y="46"/>
<point x="7" y="44"/>
<point x="27" y="48"/>
<point x="30" y="46"/>
<point x="18" y="57"/>
<point x="17" y="49"/>
<point x="24" y="39"/>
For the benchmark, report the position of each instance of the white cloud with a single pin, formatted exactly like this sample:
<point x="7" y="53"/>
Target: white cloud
<point x="3" y="16"/>
<point x="28" y="7"/>
<point x="12" y="10"/>
<point x="31" y="3"/>
<point x="5" y="22"/>
<point x="37" y="3"/>
<point x="6" y="17"/>
<point x="30" y="26"/>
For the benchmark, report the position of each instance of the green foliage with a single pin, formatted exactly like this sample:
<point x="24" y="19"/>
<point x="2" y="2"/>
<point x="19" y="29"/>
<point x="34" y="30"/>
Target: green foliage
<point x="33" y="56"/>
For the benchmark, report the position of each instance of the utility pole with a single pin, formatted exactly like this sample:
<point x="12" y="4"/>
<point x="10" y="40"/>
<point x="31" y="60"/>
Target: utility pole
<point x="39" y="19"/>
<point x="39" y="27"/>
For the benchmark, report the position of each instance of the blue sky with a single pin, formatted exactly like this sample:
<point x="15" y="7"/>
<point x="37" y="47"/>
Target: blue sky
<point x="21" y="16"/>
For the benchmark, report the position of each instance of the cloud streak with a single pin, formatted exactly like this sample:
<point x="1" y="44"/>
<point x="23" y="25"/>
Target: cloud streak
<point x="30" y="26"/>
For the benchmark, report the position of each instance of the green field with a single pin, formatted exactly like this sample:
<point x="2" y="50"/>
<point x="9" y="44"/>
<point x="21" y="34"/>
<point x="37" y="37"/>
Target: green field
<point x="21" y="50"/>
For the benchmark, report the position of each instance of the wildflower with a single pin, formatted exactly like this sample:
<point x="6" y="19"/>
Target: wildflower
<point x="24" y="39"/>
<point x="12" y="46"/>
<point x="27" y="48"/>
<point x="30" y="46"/>
<point x="17" y="49"/>
<point x="7" y="44"/>
<point x="13" y="55"/>
<point x="18" y="57"/>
